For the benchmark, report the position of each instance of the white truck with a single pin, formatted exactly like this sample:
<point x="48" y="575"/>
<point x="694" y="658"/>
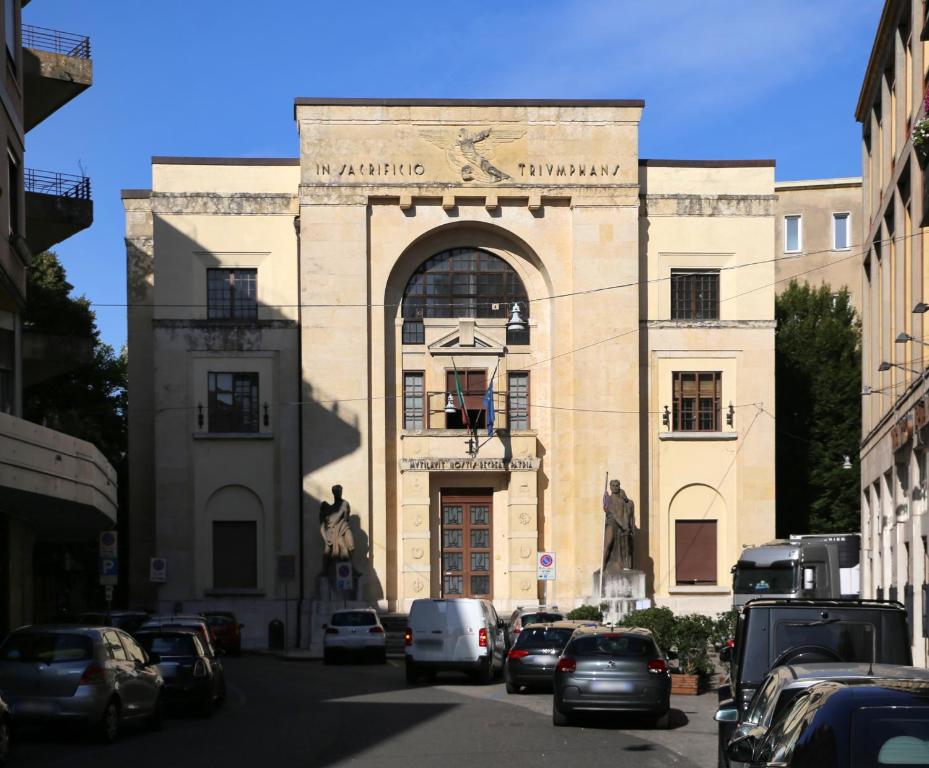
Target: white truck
<point x="809" y="566"/>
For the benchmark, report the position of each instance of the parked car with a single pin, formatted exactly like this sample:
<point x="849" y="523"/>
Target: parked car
<point x="845" y="725"/>
<point x="226" y="630"/>
<point x="455" y="635"/>
<point x="191" y="675"/>
<point x="772" y="632"/>
<point x="5" y="730"/>
<point x="613" y="670"/>
<point x="196" y="623"/>
<point x="783" y="684"/>
<point x="354" y="632"/>
<point x="523" y="617"/>
<point x="532" y="659"/>
<point x="94" y="676"/>
<point x="128" y="621"/>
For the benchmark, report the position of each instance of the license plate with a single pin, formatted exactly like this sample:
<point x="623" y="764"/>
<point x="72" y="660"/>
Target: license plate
<point x="36" y="708"/>
<point x="609" y="686"/>
<point x="429" y="643"/>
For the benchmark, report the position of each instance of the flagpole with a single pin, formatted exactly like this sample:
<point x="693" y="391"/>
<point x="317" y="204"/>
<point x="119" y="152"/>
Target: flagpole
<point x="606" y="484"/>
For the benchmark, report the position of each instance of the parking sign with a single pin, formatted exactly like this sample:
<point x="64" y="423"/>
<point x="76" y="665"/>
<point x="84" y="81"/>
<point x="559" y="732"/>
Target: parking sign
<point x="545" y="566"/>
<point x="343" y="576"/>
<point x="108" y="544"/>
<point x="109" y="571"/>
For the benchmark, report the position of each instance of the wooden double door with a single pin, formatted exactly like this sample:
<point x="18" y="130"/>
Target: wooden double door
<point x="466" y="543"/>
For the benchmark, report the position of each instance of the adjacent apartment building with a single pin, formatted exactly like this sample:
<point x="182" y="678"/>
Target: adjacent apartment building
<point x="300" y="323"/>
<point x="53" y="487"/>
<point x="895" y="334"/>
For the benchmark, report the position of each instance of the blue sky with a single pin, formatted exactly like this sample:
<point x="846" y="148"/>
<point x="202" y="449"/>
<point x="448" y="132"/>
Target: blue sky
<point x="721" y="79"/>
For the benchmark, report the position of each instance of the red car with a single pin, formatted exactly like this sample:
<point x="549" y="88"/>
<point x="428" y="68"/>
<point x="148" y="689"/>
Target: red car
<point x="227" y="632"/>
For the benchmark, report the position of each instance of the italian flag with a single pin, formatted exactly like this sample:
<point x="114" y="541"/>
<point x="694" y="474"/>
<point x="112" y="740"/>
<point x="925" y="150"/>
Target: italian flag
<point x="461" y="400"/>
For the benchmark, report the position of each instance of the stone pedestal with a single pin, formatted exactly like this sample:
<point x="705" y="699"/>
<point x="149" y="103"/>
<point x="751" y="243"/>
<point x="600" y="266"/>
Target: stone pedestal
<point x="623" y="592"/>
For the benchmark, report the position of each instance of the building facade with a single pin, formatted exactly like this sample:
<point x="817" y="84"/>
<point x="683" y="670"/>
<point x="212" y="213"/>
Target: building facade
<point x="53" y="487"/>
<point x="894" y="523"/>
<point x="299" y="324"/>
<point x="816" y="236"/>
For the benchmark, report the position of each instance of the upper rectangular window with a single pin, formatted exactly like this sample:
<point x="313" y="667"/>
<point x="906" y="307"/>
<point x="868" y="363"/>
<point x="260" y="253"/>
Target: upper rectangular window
<point x="232" y="294"/>
<point x="840" y="237"/>
<point x="694" y="294"/>
<point x="235" y="555"/>
<point x="413" y="400"/>
<point x="233" y="404"/>
<point x="697" y="401"/>
<point x="793" y="233"/>
<point x="518" y="400"/>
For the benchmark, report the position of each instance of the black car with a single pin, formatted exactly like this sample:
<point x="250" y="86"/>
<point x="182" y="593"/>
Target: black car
<point x="772" y="632"/>
<point x="523" y="617"/>
<point x="531" y="661"/>
<point x="5" y="728"/>
<point x="843" y="725"/>
<point x="192" y="675"/>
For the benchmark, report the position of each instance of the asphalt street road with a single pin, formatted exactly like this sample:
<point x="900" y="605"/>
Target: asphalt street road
<point x="303" y="714"/>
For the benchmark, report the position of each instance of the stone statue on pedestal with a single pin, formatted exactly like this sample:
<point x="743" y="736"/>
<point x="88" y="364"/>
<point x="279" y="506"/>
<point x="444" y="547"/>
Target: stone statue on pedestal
<point x="334" y="527"/>
<point x="620" y="527"/>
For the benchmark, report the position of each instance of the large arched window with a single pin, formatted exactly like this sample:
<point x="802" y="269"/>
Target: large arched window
<point x="463" y="282"/>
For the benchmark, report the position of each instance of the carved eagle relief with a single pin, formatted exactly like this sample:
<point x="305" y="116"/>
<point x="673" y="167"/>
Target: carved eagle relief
<point x="467" y="152"/>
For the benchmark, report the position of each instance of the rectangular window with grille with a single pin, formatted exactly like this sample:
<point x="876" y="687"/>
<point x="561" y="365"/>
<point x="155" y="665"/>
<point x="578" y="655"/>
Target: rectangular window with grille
<point x="235" y="555"/>
<point x="233" y="402"/>
<point x="232" y="294"/>
<point x="413" y="400"/>
<point x="518" y="400"/>
<point x="694" y="294"/>
<point x="695" y="551"/>
<point x="697" y="401"/>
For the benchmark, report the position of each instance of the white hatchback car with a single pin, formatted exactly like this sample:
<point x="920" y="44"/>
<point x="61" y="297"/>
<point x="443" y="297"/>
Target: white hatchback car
<point x="356" y="632"/>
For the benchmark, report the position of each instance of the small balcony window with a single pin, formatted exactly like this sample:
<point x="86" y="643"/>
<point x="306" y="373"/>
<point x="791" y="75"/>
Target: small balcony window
<point x="694" y="294"/>
<point x="233" y="402"/>
<point x="697" y="398"/>
<point x="232" y="294"/>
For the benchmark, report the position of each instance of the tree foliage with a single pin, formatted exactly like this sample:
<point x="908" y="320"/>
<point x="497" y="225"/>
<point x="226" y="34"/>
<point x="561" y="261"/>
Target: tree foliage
<point x="818" y="391"/>
<point x="89" y="401"/>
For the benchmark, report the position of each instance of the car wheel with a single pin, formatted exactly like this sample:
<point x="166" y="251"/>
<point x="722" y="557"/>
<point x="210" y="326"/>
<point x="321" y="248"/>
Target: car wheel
<point x="412" y="674"/>
<point x="663" y="721"/>
<point x="4" y="741"/>
<point x="559" y="718"/>
<point x="155" y="720"/>
<point x="327" y="656"/>
<point x="108" y="727"/>
<point x="485" y="672"/>
<point x="510" y="686"/>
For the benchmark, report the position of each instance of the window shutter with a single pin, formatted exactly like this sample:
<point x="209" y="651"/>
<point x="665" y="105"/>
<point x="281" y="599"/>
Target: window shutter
<point x="695" y="551"/>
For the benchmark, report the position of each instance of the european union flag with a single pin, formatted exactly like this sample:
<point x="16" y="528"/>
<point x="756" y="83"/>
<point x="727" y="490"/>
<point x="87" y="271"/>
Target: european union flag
<point x="489" y="408"/>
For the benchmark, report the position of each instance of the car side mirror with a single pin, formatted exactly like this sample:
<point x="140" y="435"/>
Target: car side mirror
<point x="727" y="715"/>
<point x="154" y="658"/>
<point x="742" y="749"/>
<point x="809" y="578"/>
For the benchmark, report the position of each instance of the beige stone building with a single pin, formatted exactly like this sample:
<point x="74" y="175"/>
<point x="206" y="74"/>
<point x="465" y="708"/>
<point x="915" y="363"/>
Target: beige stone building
<point x="53" y="487"/>
<point x="296" y="324"/>
<point x="894" y="519"/>
<point x="817" y="234"/>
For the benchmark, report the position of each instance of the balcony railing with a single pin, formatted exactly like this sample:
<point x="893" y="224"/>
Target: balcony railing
<point x="436" y="417"/>
<point x="57" y="184"/>
<point x="55" y="41"/>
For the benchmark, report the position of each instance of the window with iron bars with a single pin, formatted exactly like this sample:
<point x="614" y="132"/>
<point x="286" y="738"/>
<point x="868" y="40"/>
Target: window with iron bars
<point x="518" y="396"/>
<point x="694" y="294"/>
<point x="414" y="403"/>
<point x="232" y="294"/>
<point x="697" y="401"/>
<point x="233" y="402"/>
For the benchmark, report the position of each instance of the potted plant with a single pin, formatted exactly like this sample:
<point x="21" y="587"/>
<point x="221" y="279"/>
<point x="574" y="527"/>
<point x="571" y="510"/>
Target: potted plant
<point x="659" y="621"/>
<point x="691" y="636"/>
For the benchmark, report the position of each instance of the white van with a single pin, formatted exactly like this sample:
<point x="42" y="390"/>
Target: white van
<point x="458" y="635"/>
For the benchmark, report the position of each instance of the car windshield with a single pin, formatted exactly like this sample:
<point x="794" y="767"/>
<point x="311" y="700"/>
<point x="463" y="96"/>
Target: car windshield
<point x="51" y="648"/>
<point x="612" y="645"/>
<point x="168" y="645"/>
<point x="896" y="736"/>
<point x="543" y="637"/>
<point x="851" y="641"/>
<point x="539" y="618"/>
<point x="354" y="619"/>
<point x="759" y="581"/>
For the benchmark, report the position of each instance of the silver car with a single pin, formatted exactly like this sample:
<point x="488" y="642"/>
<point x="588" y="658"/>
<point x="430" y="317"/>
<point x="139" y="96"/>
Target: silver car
<point x="614" y="670"/>
<point x="98" y="677"/>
